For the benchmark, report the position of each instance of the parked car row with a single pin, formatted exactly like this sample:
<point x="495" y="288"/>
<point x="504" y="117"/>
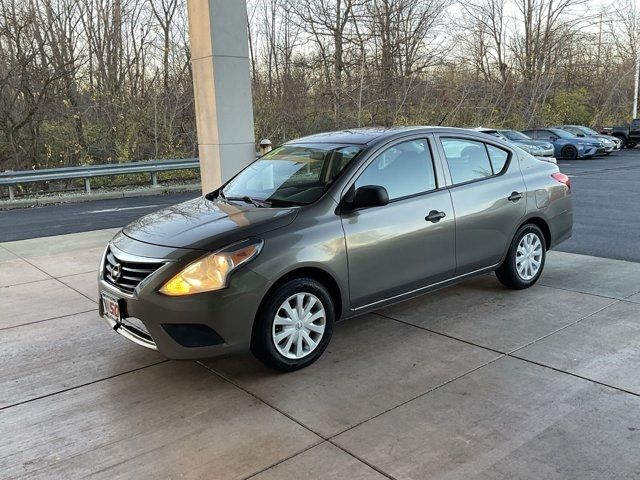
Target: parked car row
<point x="563" y="141"/>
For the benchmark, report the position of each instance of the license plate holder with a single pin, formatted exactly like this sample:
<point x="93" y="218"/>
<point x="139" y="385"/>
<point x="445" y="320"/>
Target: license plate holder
<point x="111" y="307"/>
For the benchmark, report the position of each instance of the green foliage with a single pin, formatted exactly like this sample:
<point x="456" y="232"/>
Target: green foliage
<point x="569" y="107"/>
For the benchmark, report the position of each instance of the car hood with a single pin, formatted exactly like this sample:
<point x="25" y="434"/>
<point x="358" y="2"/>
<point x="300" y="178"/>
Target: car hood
<point x="207" y="224"/>
<point x="604" y="137"/>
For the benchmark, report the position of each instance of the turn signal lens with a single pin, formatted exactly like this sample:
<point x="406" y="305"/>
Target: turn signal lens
<point x="211" y="272"/>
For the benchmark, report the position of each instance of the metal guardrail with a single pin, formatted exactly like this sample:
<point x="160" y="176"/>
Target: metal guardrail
<point x="11" y="179"/>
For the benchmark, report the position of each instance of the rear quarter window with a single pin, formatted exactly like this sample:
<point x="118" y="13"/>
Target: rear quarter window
<point x="498" y="158"/>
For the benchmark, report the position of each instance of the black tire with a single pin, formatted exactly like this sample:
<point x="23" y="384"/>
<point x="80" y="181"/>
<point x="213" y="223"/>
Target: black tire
<point x="623" y="142"/>
<point x="631" y="145"/>
<point x="569" y="152"/>
<point x="262" y="342"/>
<point x="507" y="273"/>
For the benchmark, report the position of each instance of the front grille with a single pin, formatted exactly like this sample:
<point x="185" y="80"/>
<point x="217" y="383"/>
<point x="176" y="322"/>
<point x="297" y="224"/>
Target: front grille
<point x="130" y="273"/>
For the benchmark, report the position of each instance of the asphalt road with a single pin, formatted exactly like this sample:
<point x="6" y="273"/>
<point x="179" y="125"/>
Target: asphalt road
<point x="81" y="217"/>
<point x="606" y="203"/>
<point x="606" y="195"/>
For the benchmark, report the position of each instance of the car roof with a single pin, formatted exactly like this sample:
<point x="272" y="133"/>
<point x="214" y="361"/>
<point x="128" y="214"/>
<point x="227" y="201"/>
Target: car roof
<point x="369" y="135"/>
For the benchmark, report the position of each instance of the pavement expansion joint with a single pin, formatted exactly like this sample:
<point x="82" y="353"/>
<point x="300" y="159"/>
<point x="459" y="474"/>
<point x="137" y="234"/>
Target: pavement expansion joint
<point x="48" y="319"/>
<point x="75" y="387"/>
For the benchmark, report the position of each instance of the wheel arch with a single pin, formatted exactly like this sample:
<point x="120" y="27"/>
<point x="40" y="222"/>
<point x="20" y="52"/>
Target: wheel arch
<point x="542" y="224"/>
<point x="316" y="273"/>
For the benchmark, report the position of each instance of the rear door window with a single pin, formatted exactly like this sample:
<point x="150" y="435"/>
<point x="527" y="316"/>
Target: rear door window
<point x="471" y="160"/>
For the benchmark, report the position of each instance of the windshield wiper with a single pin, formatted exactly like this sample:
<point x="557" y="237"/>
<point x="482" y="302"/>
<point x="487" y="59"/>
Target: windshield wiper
<point x="247" y="199"/>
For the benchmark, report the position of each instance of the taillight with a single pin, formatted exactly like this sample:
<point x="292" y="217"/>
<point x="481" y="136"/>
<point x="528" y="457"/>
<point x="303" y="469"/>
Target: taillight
<point x="562" y="178"/>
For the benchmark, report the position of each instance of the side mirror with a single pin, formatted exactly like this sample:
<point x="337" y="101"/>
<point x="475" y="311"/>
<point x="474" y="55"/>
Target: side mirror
<point x="370" y="196"/>
<point x="553" y="138"/>
<point x="580" y="134"/>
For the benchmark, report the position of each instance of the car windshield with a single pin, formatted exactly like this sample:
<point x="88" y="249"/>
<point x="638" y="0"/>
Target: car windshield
<point x="561" y="133"/>
<point x="588" y="131"/>
<point x="514" y="135"/>
<point x="290" y="174"/>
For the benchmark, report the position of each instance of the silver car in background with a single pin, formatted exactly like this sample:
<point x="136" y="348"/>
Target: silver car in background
<point x="325" y="228"/>
<point x="537" y="148"/>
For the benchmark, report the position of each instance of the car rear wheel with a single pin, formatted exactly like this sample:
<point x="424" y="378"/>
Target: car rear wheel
<point x="294" y="325"/>
<point x="569" y="152"/>
<point x="525" y="259"/>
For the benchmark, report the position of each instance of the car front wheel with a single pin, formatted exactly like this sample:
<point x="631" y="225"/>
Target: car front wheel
<point x="294" y="325"/>
<point x="570" y="153"/>
<point x="525" y="259"/>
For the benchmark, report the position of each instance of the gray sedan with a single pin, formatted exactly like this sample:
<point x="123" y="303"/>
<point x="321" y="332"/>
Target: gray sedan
<point x="328" y="227"/>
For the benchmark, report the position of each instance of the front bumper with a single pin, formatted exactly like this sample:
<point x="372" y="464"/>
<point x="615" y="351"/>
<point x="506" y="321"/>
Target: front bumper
<point x="194" y="326"/>
<point x="589" y="151"/>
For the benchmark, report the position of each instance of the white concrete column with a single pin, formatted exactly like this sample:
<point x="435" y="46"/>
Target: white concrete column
<point x="222" y="88"/>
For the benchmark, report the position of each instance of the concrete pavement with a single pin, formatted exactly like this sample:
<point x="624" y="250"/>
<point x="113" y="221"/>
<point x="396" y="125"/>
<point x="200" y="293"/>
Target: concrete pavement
<point x="472" y="381"/>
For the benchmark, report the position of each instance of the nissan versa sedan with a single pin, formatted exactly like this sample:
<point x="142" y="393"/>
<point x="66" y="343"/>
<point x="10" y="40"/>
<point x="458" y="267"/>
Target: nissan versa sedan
<point x="327" y="227"/>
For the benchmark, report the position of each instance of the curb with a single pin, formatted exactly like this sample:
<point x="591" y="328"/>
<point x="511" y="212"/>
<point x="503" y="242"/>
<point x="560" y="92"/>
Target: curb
<point x="89" y="197"/>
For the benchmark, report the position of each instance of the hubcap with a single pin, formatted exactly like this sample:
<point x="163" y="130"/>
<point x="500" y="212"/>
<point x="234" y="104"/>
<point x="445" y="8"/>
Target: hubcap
<point x="529" y="256"/>
<point x="298" y="325"/>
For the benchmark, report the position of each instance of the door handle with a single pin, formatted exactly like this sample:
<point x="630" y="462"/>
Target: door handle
<point x="514" y="197"/>
<point x="435" y="216"/>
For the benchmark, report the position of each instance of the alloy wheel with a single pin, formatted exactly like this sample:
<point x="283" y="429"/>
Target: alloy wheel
<point x="528" y="256"/>
<point x="299" y="325"/>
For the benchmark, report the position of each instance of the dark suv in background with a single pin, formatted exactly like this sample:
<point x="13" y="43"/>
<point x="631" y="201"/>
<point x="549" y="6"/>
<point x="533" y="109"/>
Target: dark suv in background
<point x="628" y="135"/>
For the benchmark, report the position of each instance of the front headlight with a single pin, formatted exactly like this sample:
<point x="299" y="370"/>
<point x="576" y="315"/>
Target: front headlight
<point x="212" y="271"/>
